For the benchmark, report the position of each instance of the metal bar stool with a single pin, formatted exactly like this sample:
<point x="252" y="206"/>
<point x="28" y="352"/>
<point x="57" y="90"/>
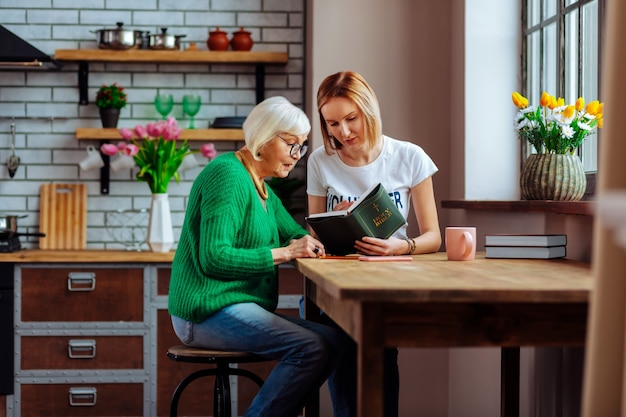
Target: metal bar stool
<point x="222" y="370"/>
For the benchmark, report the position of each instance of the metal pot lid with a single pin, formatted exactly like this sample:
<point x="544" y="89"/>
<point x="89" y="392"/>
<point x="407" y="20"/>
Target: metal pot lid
<point x="119" y="28"/>
<point x="164" y="34"/>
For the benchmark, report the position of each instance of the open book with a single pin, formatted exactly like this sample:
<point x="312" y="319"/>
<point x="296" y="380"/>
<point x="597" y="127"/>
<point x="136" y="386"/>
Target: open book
<point x="373" y="214"/>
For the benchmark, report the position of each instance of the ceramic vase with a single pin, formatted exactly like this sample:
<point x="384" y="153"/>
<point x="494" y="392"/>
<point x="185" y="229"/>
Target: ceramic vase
<point x="109" y="117"/>
<point x="160" y="233"/>
<point x="553" y="177"/>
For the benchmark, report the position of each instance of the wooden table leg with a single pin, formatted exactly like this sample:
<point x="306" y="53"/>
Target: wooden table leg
<point x="370" y="361"/>
<point x="312" y="406"/>
<point x="509" y="381"/>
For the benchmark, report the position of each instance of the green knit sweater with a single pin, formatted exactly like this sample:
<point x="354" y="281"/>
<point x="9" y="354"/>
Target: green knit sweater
<point x="224" y="252"/>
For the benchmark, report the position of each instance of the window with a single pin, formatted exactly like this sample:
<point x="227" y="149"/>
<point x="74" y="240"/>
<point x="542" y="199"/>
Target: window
<point x="561" y="49"/>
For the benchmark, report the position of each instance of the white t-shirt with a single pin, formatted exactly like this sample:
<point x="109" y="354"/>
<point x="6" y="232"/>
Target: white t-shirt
<point x="400" y="166"/>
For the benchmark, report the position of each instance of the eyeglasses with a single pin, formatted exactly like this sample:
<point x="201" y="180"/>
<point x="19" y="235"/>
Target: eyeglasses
<point x="296" y="148"/>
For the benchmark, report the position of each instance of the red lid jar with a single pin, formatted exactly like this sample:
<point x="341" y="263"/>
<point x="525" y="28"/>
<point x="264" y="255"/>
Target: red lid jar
<point x="241" y="41"/>
<point x="218" y="40"/>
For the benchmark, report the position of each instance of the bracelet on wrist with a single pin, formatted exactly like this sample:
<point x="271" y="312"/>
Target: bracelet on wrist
<point x="411" y="243"/>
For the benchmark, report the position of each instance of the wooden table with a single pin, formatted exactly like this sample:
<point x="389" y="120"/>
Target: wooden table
<point x="433" y="302"/>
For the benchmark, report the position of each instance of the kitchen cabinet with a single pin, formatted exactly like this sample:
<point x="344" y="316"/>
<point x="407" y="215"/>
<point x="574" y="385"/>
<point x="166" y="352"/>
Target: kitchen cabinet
<point x="91" y="332"/>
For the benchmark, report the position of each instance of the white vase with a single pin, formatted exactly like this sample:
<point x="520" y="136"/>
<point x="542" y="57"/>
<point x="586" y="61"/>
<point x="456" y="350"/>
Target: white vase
<point x="160" y="232"/>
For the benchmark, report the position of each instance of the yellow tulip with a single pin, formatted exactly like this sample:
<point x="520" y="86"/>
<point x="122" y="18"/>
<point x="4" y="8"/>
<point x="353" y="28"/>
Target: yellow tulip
<point x="560" y="102"/>
<point x="569" y="112"/>
<point x="519" y="100"/>
<point x="545" y="99"/>
<point x="601" y="108"/>
<point x="553" y="103"/>
<point x="580" y="104"/>
<point x="600" y="123"/>
<point x="592" y="108"/>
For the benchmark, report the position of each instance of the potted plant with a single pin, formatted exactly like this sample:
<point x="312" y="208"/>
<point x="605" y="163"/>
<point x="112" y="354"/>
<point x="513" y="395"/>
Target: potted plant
<point x="110" y="99"/>
<point x="555" y="130"/>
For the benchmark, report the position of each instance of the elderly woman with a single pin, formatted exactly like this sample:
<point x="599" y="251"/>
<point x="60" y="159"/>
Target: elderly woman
<point x="224" y="287"/>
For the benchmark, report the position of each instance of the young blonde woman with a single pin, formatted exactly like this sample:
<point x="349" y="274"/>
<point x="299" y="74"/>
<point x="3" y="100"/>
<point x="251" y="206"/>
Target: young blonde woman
<point x="356" y="155"/>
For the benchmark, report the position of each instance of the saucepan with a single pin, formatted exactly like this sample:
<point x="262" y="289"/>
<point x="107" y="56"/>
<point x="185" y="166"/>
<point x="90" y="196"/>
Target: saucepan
<point x="164" y="40"/>
<point x="8" y="223"/>
<point x="118" y="38"/>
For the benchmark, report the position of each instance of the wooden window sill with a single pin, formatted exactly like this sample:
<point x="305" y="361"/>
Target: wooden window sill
<point x="583" y="208"/>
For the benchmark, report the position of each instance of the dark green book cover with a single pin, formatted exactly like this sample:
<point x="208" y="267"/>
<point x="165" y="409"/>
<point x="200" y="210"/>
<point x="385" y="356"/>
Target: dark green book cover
<point x="373" y="214"/>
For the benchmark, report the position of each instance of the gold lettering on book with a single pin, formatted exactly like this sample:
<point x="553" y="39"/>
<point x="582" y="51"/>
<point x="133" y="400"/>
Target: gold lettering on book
<point x="381" y="218"/>
<point x="375" y="206"/>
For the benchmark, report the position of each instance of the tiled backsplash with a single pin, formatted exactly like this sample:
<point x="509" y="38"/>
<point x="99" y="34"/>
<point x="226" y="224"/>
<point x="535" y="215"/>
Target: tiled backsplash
<point x="44" y="107"/>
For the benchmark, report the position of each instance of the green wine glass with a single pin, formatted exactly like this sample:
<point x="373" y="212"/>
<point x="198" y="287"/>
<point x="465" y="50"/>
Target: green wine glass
<point x="191" y="107"/>
<point x="164" y="104"/>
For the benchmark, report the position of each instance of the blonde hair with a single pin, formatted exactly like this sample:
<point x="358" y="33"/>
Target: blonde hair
<point x="271" y="117"/>
<point x="350" y="85"/>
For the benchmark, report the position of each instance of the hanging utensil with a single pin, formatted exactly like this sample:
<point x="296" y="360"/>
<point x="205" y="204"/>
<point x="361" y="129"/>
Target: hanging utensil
<point x="13" y="161"/>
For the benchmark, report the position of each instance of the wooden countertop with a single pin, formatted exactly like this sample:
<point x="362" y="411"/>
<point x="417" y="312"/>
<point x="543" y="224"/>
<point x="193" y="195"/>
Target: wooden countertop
<point x="88" y="255"/>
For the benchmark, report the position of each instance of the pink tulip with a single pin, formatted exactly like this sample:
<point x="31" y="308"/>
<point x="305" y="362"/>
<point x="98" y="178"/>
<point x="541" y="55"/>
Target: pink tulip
<point x="126" y="133"/>
<point x="108" y="149"/>
<point x="131" y="150"/>
<point x="208" y="150"/>
<point x="155" y="129"/>
<point x="141" y="132"/>
<point x="121" y="146"/>
<point x="171" y="132"/>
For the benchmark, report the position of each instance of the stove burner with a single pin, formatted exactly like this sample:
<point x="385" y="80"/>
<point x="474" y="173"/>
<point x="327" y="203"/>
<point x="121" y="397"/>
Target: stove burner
<point x="9" y="244"/>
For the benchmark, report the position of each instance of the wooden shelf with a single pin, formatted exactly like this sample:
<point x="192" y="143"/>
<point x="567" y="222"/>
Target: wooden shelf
<point x="85" y="56"/>
<point x="88" y="133"/>
<point x="584" y="208"/>
<point x="198" y="57"/>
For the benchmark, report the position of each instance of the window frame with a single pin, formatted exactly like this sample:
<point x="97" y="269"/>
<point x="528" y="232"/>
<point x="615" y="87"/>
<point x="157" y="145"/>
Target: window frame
<point x="559" y="17"/>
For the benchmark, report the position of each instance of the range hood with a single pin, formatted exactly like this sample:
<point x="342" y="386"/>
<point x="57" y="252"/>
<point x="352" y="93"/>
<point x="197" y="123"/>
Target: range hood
<point x="16" y="53"/>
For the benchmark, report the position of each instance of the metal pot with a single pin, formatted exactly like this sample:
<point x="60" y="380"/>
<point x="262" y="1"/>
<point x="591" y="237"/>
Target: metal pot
<point x="164" y="40"/>
<point x="118" y="38"/>
<point x="8" y="223"/>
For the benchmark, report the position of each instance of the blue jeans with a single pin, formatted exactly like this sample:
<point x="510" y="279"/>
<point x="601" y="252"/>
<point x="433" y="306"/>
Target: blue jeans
<point x="306" y="352"/>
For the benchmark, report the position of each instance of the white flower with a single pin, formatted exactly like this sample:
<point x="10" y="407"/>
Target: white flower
<point x="584" y="126"/>
<point x="567" y="131"/>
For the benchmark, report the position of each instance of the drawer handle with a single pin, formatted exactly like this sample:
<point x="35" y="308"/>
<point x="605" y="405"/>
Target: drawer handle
<point x="81" y="281"/>
<point x="83" y="396"/>
<point x="81" y="349"/>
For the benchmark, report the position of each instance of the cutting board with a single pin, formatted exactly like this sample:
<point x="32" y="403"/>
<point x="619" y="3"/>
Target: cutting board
<point x="63" y="216"/>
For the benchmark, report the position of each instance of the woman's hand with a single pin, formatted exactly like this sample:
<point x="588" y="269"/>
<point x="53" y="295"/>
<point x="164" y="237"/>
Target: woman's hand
<point x="343" y="205"/>
<point x="305" y="247"/>
<point x="375" y="246"/>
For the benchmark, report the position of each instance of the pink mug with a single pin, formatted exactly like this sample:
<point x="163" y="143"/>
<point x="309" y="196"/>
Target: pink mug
<point x="461" y="243"/>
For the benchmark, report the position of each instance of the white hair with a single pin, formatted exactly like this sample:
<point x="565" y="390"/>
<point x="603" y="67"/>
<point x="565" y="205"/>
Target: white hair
<point x="271" y="117"/>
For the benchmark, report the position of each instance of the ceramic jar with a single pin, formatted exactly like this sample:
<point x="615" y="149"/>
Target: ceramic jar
<point x="241" y="40"/>
<point x="218" y="40"/>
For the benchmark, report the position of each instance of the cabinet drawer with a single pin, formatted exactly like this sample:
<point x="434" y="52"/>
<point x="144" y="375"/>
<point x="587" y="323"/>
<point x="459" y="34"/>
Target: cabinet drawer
<point x="55" y="400"/>
<point x="82" y="294"/>
<point x="84" y="352"/>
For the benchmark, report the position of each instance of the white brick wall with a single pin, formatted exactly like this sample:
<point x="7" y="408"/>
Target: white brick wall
<point x="44" y="104"/>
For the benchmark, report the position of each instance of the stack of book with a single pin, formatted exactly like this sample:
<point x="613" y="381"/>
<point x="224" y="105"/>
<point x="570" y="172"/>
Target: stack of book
<point x="525" y="246"/>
